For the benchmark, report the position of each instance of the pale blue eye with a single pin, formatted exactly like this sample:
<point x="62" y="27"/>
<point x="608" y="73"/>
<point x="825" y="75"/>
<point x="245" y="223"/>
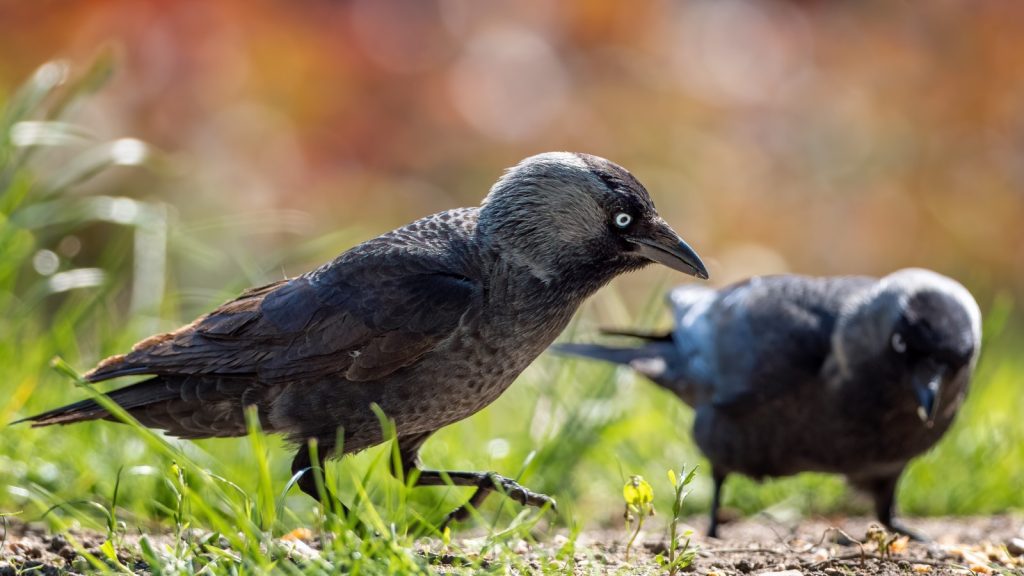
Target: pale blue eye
<point x="898" y="344"/>
<point x="622" y="219"/>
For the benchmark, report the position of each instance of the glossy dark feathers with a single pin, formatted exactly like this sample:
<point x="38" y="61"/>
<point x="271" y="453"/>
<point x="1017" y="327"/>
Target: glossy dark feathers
<point x="431" y="321"/>
<point x="790" y="373"/>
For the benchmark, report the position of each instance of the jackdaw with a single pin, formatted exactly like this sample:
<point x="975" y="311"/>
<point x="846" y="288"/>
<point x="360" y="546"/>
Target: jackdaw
<point x="431" y="322"/>
<point x="787" y="374"/>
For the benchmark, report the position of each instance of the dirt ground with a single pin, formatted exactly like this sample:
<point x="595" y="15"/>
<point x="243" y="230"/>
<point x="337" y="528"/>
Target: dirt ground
<point x="980" y="545"/>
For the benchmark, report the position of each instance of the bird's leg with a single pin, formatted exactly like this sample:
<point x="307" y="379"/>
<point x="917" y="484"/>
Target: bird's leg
<point x="303" y="464"/>
<point x="485" y="483"/>
<point x="408" y="454"/>
<point x="884" y="492"/>
<point x="716" y="502"/>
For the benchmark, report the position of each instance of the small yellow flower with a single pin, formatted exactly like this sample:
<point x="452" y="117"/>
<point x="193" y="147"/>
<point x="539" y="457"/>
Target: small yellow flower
<point x="639" y="495"/>
<point x="639" y="498"/>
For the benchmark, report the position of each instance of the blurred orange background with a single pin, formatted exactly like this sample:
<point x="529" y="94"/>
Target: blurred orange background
<point x="813" y="137"/>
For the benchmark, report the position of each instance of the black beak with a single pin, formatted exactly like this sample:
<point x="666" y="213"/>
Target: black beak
<point x="662" y="245"/>
<point x="927" y="382"/>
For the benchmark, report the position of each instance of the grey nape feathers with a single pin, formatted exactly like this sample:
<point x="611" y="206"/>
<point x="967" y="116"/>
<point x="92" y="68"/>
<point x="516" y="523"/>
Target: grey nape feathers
<point x="788" y="374"/>
<point x="431" y="322"/>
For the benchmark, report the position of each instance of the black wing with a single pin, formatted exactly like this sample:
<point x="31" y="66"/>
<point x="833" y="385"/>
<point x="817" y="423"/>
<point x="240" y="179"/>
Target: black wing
<point x="374" y="310"/>
<point x="773" y="335"/>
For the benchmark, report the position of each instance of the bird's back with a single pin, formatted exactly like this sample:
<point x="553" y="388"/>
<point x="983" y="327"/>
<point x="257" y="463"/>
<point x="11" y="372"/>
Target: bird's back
<point x="758" y="353"/>
<point x="757" y="339"/>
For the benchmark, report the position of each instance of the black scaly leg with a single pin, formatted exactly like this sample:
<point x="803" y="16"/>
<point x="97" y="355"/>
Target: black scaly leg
<point x="716" y="502"/>
<point x="307" y="481"/>
<point x="484" y="482"/>
<point x="884" y="492"/>
<point x="408" y="453"/>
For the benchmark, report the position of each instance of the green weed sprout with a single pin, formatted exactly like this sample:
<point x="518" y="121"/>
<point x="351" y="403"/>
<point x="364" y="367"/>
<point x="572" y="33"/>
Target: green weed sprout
<point x="887" y="542"/>
<point x="680" y="554"/>
<point x="639" y="496"/>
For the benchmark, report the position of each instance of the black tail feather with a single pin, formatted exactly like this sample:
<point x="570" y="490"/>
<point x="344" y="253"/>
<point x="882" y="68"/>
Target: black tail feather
<point x="596" y="351"/>
<point x="643" y="335"/>
<point x="134" y="396"/>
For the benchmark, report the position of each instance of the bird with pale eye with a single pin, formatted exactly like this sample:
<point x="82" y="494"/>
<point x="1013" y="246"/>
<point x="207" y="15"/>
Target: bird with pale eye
<point x="789" y="374"/>
<point x="898" y="344"/>
<point x="430" y="322"/>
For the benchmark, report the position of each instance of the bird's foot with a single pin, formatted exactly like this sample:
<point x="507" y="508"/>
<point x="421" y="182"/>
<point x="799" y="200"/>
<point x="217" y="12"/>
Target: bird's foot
<point x="490" y="481"/>
<point x="520" y="494"/>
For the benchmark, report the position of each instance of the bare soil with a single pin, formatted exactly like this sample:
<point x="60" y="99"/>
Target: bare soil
<point x="812" y="547"/>
<point x="829" y="547"/>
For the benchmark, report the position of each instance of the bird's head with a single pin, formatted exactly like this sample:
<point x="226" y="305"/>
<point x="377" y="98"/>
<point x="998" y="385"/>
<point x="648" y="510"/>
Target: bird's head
<point x="562" y="213"/>
<point x="924" y="328"/>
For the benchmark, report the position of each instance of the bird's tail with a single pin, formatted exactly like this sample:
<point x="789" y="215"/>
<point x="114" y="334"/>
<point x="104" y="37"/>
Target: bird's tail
<point x="134" y="396"/>
<point x="625" y="356"/>
<point x="652" y="359"/>
<point x="657" y="359"/>
<point x="653" y="347"/>
<point x="641" y="334"/>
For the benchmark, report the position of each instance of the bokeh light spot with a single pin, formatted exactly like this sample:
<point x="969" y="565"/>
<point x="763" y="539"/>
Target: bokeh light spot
<point x="498" y="448"/>
<point x="129" y="151"/>
<point x="45" y="262"/>
<point x="739" y="52"/>
<point x="509" y="84"/>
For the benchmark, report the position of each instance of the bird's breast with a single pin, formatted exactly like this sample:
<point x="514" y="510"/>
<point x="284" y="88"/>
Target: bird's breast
<point x="486" y="354"/>
<point x="518" y="319"/>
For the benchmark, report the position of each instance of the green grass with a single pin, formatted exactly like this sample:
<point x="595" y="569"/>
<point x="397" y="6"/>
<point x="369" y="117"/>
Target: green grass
<point x="574" y="430"/>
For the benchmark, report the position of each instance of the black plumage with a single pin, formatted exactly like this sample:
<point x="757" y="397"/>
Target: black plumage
<point x="787" y="374"/>
<point x="431" y="322"/>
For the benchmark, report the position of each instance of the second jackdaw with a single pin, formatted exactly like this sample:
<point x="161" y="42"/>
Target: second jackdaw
<point x="788" y="374"/>
<point x="431" y="322"/>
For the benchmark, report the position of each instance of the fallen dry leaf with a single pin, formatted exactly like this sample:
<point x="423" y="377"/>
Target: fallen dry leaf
<point x="298" y="534"/>
<point x="898" y="545"/>
<point x="971" y="555"/>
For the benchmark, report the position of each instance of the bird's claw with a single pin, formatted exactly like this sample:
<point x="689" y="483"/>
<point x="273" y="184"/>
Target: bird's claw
<point x="524" y="496"/>
<point x="509" y="487"/>
<point x="519" y="493"/>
